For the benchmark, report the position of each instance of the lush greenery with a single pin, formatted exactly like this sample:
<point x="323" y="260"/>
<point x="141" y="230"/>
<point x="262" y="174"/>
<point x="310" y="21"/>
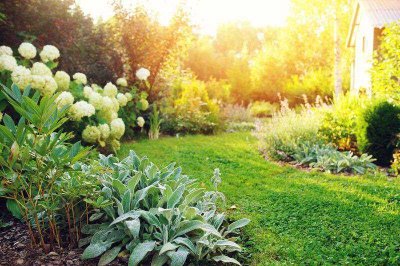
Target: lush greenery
<point x="297" y="217"/>
<point x="157" y="213"/>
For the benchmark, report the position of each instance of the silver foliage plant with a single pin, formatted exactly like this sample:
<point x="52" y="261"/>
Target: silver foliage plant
<point x="156" y="216"/>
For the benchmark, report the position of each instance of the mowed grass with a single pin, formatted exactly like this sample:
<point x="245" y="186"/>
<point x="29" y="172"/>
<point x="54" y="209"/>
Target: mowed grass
<point x="296" y="217"/>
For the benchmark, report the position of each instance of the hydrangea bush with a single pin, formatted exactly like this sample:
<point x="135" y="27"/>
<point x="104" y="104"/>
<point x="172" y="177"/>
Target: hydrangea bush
<point x="93" y="111"/>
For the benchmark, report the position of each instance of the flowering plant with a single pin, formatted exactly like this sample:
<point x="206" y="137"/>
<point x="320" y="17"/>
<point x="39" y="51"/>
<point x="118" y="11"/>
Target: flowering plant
<point x="93" y="111"/>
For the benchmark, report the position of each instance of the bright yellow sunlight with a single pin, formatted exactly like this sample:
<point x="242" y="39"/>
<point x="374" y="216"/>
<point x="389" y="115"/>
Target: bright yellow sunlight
<point x="207" y="14"/>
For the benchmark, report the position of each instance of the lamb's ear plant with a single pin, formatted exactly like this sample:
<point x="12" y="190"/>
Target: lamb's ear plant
<point x="35" y="159"/>
<point x="156" y="216"/>
<point x="155" y="122"/>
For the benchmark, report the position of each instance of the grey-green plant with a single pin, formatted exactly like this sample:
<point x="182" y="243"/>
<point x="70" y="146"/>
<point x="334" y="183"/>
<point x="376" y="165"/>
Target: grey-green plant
<point x="156" y="216"/>
<point x="155" y="123"/>
<point x="36" y="165"/>
<point x="327" y="158"/>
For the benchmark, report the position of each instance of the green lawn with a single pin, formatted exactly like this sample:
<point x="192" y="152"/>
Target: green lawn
<point x="297" y="217"/>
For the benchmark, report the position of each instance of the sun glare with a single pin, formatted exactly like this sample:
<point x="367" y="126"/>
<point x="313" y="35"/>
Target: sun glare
<point x="207" y="14"/>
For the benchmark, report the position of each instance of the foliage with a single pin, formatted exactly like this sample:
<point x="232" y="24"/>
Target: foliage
<point x="286" y="130"/>
<point x="191" y="110"/>
<point x="62" y="24"/>
<point x="158" y="215"/>
<point x="263" y="109"/>
<point x="93" y="115"/>
<point x="386" y="68"/>
<point x="297" y="217"/>
<point x="377" y="129"/>
<point x="328" y="158"/>
<point x="36" y="162"/>
<point x="155" y="122"/>
<point x="339" y="122"/>
<point x="395" y="164"/>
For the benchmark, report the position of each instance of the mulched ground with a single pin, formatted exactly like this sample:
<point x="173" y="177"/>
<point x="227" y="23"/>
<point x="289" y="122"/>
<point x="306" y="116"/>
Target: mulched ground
<point x="15" y="249"/>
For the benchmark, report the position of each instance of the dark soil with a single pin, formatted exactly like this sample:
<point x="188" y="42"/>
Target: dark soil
<point x="15" y="249"/>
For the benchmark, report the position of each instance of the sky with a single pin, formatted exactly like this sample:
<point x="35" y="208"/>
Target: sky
<point x="207" y="14"/>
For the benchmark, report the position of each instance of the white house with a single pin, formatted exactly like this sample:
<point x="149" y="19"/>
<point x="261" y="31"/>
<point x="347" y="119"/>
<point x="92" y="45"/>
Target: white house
<point x="369" y="19"/>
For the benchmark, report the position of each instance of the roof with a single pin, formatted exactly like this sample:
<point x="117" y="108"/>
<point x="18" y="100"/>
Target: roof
<point x="379" y="12"/>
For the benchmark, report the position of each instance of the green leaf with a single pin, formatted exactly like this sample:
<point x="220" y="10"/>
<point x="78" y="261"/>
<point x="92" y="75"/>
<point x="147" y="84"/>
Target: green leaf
<point x="185" y="241"/>
<point x="238" y="224"/>
<point x="225" y="259"/>
<point x="14" y="208"/>
<point x="93" y="250"/>
<point x="168" y="247"/>
<point x="129" y="215"/>
<point x="132" y="183"/>
<point x="175" y="197"/>
<point x="140" y="252"/>
<point x="178" y="258"/>
<point x="188" y="226"/>
<point x="109" y="255"/>
<point x="159" y="260"/>
<point x="228" y="245"/>
<point x="133" y="227"/>
<point x="119" y="186"/>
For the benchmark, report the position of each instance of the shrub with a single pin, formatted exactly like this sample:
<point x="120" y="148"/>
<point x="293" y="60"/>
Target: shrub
<point x="39" y="181"/>
<point x="263" y="109"/>
<point x="236" y="113"/>
<point x="94" y="110"/>
<point x="286" y="130"/>
<point x="378" y="127"/>
<point x="157" y="215"/>
<point x="339" y="122"/>
<point x="191" y="111"/>
<point x="328" y="158"/>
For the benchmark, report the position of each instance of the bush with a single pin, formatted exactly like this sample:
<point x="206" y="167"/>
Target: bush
<point x="93" y="115"/>
<point x="156" y="215"/>
<point x="286" y="130"/>
<point x="38" y="180"/>
<point x="328" y="158"/>
<point x="263" y="109"/>
<point x="191" y="111"/>
<point x="339" y="122"/>
<point x="378" y="127"/>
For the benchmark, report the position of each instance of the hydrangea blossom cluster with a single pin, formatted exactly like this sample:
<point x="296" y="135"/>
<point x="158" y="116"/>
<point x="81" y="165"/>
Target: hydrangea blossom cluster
<point x="92" y="105"/>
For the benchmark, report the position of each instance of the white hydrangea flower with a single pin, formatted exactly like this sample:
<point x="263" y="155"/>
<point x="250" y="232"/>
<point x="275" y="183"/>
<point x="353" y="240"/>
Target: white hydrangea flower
<point x="110" y="90"/>
<point x="144" y="104"/>
<point x="122" y="99"/>
<point x="7" y="62"/>
<point x="63" y="79"/>
<point x="65" y="98"/>
<point x="80" y="78"/>
<point x="142" y="73"/>
<point x="87" y="91"/>
<point x="91" y="134"/>
<point x="104" y="130"/>
<point x="49" y="53"/>
<point x="115" y="144"/>
<point x="96" y="88"/>
<point x="41" y="69"/>
<point x="122" y="82"/>
<point x="37" y="82"/>
<point x="117" y="127"/>
<point x="81" y="109"/>
<point x="108" y="103"/>
<point x="115" y="104"/>
<point x="27" y="50"/>
<point x="21" y="76"/>
<point x="140" y="121"/>
<point x="5" y="50"/>
<point x="96" y="100"/>
<point x="108" y="115"/>
<point x="129" y="96"/>
<point x="50" y="86"/>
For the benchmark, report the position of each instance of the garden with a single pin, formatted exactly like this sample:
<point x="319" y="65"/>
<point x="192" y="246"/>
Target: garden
<point x="131" y="141"/>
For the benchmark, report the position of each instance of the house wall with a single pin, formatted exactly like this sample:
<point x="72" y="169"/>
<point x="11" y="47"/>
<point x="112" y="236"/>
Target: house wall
<point x="363" y="54"/>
